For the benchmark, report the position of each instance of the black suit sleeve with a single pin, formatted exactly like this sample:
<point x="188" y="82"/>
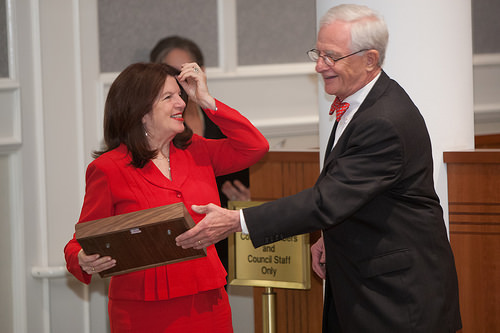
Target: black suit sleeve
<point x="370" y="162"/>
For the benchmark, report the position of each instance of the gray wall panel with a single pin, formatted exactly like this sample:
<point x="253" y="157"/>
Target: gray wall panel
<point x="269" y="32"/>
<point x="485" y="26"/>
<point x="128" y="29"/>
<point x="274" y="32"/>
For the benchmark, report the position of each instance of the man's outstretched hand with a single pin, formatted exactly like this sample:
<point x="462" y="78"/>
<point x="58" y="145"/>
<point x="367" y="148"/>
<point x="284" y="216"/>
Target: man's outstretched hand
<point x="217" y="224"/>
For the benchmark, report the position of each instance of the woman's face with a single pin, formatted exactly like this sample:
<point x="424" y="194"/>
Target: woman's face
<point x="165" y="119"/>
<point x="177" y="57"/>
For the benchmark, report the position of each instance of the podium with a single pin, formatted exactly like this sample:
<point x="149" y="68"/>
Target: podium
<point x="474" y="212"/>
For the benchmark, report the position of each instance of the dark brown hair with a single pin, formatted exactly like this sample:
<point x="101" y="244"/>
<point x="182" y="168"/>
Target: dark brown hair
<point x="130" y="98"/>
<point x="167" y="44"/>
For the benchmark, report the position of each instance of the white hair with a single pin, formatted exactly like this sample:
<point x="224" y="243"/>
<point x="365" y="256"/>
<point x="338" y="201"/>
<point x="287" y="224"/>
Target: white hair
<point x="368" y="28"/>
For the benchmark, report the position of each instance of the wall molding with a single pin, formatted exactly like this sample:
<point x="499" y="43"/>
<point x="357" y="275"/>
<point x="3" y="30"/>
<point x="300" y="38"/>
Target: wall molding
<point x="487" y="113"/>
<point x="11" y="145"/>
<point x="486" y="59"/>
<point x="291" y="126"/>
<point x="9" y="84"/>
<point x="241" y="72"/>
<point x="262" y="71"/>
<point x="270" y="127"/>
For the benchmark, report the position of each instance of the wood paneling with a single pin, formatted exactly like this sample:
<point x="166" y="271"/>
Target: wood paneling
<point x="487" y="141"/>
<point x="474" y="211"/>
<point x="277" y="175"/>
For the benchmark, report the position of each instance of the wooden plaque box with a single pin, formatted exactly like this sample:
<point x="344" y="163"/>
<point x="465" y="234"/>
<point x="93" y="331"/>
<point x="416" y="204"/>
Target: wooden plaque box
<point x="139" y="240"/>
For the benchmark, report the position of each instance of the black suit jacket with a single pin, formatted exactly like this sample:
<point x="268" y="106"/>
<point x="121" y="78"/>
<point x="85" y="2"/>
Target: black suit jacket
<point x="390" y="267"/>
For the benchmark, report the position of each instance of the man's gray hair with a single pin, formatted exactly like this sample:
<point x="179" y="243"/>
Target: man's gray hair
<point x="368" y="28"/>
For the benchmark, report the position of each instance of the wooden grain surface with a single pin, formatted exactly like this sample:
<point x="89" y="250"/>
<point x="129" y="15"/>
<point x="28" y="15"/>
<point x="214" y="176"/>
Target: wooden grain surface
<point x="474" y="213"/>
<point x="138" y="240"/>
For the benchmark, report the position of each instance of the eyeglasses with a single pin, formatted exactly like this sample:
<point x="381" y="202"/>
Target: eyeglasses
<point x="314" y="55"/>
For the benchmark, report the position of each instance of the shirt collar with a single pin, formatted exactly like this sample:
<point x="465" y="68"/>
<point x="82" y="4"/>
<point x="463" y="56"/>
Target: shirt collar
<point x="359" y="96"/>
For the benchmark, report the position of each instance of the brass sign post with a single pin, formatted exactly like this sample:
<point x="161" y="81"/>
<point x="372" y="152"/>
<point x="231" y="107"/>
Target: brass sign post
<point x="283" y="264"/>
<point x="269" y="311"/>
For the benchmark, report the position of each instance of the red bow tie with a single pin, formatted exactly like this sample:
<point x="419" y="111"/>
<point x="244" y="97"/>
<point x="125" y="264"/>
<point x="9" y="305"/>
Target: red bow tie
<point x="339" y="108"/>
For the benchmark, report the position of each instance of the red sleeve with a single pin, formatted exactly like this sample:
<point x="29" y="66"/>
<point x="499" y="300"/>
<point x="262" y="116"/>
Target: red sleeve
<point x="244" y="145"/>
<point x="97" y="204"/>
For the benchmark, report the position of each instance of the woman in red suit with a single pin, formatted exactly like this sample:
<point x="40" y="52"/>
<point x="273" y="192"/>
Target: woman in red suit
<point x="150" y="159"/>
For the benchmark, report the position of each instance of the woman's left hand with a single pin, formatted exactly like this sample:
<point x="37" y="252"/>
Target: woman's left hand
<point x="94" y="263"/>
<point x="194" y="81"/>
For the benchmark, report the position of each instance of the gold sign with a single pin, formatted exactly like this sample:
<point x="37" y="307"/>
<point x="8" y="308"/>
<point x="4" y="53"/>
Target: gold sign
<point x="283" y="264"/>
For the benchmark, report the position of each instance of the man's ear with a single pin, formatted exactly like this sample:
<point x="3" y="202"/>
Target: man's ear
<point x="372" y="56"/>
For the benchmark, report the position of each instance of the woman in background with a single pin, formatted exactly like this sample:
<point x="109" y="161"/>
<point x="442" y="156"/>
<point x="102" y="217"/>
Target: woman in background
<point x="151" y="159"/>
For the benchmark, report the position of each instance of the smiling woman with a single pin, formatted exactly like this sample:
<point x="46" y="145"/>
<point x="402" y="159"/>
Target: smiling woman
<point x="151" y="159"/>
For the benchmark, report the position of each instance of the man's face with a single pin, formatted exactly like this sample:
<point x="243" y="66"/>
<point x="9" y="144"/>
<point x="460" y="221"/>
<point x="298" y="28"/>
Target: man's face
<point x="347" y="75"/>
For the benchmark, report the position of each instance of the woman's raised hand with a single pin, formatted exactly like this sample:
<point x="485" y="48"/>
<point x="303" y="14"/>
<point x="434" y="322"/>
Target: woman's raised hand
<point x="194" y="81"/>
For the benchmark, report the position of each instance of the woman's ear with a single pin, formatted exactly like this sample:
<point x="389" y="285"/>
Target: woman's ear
<point x="145" y="120"/>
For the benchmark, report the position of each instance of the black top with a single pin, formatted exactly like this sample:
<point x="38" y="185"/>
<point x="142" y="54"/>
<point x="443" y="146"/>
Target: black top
<point x="212" y="131"/>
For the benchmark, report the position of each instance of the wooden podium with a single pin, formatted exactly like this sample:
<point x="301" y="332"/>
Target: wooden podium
<point x="474" y="211"/>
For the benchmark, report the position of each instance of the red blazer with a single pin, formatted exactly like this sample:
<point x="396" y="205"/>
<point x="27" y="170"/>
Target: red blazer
<point x="114" y="187"/>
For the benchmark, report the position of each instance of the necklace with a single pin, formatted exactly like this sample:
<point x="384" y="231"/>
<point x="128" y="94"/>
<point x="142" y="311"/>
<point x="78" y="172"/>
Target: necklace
<point x="161" y="156"/>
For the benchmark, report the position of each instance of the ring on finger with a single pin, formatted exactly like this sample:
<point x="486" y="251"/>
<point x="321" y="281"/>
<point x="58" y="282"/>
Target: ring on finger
<point x="199" y="242"/>
<point x="195" y="69"/>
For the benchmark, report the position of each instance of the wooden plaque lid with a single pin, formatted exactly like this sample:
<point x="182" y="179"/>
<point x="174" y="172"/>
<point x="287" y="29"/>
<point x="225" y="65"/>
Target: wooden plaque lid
<point x="139" y="240"/>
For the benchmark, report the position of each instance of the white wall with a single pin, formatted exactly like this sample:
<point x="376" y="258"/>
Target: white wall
<point x="433" y="66"/>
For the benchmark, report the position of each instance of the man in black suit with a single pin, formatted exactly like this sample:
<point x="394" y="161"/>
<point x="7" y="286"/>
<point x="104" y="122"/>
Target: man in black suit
<point x="389" y="265"/>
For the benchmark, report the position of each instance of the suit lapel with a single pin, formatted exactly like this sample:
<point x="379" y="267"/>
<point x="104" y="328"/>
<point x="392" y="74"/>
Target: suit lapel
<point x="374" y="94"/>
<point x="378" y="89"/>
<point x="331" y="141"/>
